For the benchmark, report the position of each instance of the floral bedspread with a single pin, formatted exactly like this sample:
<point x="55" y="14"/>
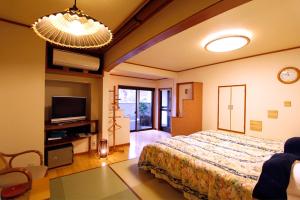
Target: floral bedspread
<point x="210" y="164"/>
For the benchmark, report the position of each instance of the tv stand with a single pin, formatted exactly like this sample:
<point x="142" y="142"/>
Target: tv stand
<point x="70" y="132"/>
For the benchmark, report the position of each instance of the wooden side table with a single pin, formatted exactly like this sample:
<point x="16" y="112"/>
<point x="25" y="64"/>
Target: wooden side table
<point x="40" y="189"/>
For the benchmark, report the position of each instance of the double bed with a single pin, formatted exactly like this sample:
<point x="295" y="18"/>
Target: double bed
<point x="210" y="164"/>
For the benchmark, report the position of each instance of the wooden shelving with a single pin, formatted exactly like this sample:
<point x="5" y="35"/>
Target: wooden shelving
<point x="72" y="130"/>
<point x="189" y="119"/>
<point x="51" y="127"/>
<point x="51" y="143"/>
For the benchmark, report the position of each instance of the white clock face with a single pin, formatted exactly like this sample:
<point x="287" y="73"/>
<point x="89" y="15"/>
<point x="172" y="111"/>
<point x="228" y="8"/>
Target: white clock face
<point x="289" y="75"/>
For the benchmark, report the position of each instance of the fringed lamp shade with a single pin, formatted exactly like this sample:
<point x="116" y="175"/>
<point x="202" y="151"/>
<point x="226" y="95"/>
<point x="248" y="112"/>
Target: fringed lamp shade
<point x="72" y="28"/>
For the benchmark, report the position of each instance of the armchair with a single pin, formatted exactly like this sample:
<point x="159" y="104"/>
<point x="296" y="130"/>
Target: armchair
<point x="36" y="171"/>
<point x="20" y="178"/>
<point x="13" y="184"/>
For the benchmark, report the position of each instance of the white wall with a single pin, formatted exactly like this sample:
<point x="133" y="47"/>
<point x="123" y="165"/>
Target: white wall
<point x="22" y="86"/>
<point x="264" y="92"/>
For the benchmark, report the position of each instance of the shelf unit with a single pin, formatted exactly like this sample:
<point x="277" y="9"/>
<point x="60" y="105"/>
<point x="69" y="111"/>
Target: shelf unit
<point x="72" y="130"/>
<point x="189" y="114"/>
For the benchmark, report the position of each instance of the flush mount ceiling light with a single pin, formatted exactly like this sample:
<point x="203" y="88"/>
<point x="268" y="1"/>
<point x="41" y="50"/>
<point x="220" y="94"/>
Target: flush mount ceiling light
<point x="227" y="40"/>
<point x="72" y="28"/>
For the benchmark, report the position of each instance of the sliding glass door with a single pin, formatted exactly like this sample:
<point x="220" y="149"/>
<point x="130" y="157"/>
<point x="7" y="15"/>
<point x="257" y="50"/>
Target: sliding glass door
<point x="137" y="104"/>
<point x="144" y="114"/>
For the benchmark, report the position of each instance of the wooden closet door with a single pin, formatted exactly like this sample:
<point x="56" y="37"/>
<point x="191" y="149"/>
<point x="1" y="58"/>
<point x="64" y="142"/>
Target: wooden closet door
<point x="224" y="111"/>
<point x="238" y="94"/>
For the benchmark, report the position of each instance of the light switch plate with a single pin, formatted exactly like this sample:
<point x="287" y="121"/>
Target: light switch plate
<point x="256" y="125"/>
<point x="272" y="114"/>
<point x="287" y="104"/>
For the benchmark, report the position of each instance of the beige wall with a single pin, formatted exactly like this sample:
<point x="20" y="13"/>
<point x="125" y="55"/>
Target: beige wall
<point x="264" y="92"/>
<point x="22" y="86"/>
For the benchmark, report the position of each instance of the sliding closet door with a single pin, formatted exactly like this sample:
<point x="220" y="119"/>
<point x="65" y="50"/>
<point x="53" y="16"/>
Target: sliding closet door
<point x="224" y="110"/>
<point x="238" y="108"/>
<point x="231" y="108"/>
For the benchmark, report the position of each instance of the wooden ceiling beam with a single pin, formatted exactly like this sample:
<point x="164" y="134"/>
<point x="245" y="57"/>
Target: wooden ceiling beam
<point x="141" y="15"/>
<point x="197" y="17"/>
<point x="14" y="22"/>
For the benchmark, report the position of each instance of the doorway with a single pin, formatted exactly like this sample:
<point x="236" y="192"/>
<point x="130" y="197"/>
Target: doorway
<point x="137" y="104"/>
<point x="165" y="109"/>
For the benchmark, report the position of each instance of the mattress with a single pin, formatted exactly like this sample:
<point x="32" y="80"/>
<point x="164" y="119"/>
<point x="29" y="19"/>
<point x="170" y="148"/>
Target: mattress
<point x="210" y="164"/>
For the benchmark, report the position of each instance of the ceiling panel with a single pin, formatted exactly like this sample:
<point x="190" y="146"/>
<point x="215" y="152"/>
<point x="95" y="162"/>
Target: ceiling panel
<point x="275" y="25"/>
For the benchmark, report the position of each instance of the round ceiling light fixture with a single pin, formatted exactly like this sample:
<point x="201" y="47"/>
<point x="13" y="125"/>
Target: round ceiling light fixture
<point x="227" y="40"/>
<point x="72" y="28"/>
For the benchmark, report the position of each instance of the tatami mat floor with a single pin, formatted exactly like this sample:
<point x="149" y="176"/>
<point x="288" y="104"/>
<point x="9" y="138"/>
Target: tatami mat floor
<point x="87" y="161"/>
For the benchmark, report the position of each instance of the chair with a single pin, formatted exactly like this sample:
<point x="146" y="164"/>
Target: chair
<point x="20" y="177"/>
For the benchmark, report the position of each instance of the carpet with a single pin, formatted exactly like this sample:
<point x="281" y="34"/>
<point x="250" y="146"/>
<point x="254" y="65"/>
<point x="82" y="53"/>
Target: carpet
<point x="143" y="183"/>
<point x="95" y="184"/>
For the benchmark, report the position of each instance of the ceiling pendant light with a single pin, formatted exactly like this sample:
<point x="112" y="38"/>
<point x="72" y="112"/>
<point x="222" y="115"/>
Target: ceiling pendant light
<point x="72" y="28"/>
<point x="227" y="40"/>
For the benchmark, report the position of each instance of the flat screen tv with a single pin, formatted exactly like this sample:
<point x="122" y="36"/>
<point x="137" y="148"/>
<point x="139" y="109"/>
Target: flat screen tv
<point x="68" y="109"/>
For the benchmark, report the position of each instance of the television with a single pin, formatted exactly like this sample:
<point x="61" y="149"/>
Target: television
<point x="68" y="109"/>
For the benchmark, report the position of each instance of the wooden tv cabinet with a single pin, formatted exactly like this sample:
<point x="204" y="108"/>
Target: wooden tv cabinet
<point x="72" y="130"/>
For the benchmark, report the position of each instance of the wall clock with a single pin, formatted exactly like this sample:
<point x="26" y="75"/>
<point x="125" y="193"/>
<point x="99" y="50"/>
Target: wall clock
<point x="288" y="75"/>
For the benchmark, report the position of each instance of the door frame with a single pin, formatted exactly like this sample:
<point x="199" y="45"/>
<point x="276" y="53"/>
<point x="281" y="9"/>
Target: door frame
<point x="136" y="107"/>
<point x="159" y="106"/>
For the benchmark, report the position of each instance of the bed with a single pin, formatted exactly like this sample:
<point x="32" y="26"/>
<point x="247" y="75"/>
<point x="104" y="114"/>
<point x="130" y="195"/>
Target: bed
<point x="210" y="164"/>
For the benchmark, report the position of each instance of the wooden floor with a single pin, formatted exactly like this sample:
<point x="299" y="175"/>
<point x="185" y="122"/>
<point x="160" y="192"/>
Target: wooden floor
<point x="87" y="161"/>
